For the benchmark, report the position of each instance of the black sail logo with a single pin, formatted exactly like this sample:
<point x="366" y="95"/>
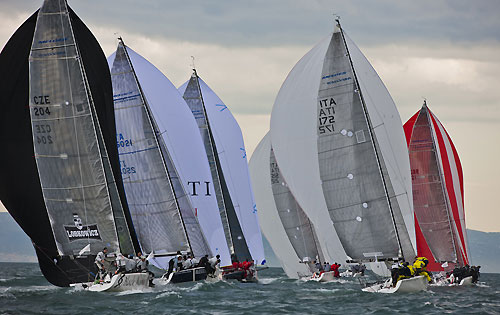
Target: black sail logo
<point x="78" y="231"/>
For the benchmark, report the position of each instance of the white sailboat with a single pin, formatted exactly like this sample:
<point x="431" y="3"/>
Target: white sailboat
<point x="334" y="127"/>
<point x="268" y="213"/>
<point x="199" y="228"/>
<point x="226" y="153"/>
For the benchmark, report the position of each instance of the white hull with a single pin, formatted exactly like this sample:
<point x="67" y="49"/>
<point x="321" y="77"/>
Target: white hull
<point x="409" y="285"/>
<point x="121" y="282"/>
<point x="349" y="273"/>
<point x="450" y="281"/>
<point x="324" y="277"/>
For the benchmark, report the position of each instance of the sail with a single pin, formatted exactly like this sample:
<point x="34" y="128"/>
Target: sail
<point x="151" y="196"/>
<point x="436" y="171"/>
<point x="233" y="229"/>
<point x="297" y="225"/>
<point x="268" y="213"/>
<point x="182" y="142"/>
<point x="360" y="176"/>
<point x="59" y="221"/>
<point x="233" y="159"/>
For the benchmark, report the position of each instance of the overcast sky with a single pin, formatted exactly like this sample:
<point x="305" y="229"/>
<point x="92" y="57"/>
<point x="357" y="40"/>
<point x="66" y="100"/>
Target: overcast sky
<point x="445" y="51"/>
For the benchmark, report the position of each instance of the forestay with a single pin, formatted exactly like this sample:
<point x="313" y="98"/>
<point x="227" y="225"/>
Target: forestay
<point x="233" y="160"/>
<point x="298" y="228"/>
<point x="233" y="229"/>
<point x="78" y="187"/>
<point x="268" y="214"/>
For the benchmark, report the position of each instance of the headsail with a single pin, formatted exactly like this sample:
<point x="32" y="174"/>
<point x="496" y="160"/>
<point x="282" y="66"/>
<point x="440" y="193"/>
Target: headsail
<point x="233" y="229"/>
<point x="76" y="195"/>
<point x="437" y="191"/>
<point x="181" y="137"/>
<point x="158" y="203"/>
<point x="268" y="213"/>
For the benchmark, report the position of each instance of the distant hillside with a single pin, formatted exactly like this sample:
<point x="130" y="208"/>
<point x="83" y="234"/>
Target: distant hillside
<point x="15" y="246"/>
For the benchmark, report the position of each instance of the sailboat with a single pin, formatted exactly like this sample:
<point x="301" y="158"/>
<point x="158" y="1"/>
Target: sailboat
<point x="164" y="218"/>
<point x="62" y="180"/>
<point x="226" y="154"/>
<point x="279" y="205"/>
<point x="437" y="192"/>
<point x="334" y="121"/>
<point x="268" y="213"/>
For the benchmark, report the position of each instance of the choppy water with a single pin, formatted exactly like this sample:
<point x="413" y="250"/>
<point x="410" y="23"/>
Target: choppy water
<point x="23" y="290"/>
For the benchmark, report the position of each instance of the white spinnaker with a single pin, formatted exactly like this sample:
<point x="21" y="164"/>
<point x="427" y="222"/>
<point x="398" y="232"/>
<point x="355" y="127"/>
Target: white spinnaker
<point x="269" y="218"/>
<point x="388" y="129"/>
<point x="294" y="138"/>
<point x="180" y="133"/>
<point x="233" y="160"/>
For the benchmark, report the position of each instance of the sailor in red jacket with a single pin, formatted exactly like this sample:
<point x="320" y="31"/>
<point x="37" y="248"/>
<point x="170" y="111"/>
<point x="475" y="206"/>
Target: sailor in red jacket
<point x="335" y="268"/>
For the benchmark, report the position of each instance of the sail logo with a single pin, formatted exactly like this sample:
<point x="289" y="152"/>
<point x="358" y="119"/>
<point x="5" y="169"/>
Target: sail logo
<point x="78" y="231"/>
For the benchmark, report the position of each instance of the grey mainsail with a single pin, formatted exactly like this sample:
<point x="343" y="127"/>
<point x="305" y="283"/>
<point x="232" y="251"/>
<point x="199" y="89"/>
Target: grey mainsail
<point x="297" y="225"/>
<point x="432" y="208"/>
<point x="78" y="187"/>
<point x="358" y="191"/>
<point x="163" y="216"/>
<point x="232" y="229"/>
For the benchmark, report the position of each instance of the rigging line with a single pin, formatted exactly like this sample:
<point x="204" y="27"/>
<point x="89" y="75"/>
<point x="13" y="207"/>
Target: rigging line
<point x="372" y="140"/>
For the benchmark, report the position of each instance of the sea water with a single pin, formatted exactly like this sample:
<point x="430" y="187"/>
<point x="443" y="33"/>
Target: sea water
<point x="23" y="290"/>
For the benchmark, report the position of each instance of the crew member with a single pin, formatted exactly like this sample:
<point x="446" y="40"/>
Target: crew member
<point x="420" y="267"/>
<point x="335" y="268"/>
<point x="212" y="264"/>
<point x="100" y="261"/>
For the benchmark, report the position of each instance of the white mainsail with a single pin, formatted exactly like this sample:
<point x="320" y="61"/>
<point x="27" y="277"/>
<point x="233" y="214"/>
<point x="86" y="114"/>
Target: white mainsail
<point x="268" y="213"/>
<point x="233" y="159"/>
<point x="181" y="137"/>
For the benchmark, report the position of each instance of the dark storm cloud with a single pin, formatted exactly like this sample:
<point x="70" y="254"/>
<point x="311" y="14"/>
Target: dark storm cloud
<point x="277" y="22"/>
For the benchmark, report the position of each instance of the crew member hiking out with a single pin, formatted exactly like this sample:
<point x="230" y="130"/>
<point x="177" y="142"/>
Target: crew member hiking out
<point x="100" y="261"/>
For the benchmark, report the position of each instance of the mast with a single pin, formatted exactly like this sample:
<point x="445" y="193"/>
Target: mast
<point x="228" y="215"/>
<point x="370" y="130"/>
<point x="155" y="135"/>
<point x="441" y="177"/>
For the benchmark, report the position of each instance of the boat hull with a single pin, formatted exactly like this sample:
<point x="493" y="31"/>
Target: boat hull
<point x="409" y="285"/>
<point x="324" y="277"/>
<point x="122" y="282"/>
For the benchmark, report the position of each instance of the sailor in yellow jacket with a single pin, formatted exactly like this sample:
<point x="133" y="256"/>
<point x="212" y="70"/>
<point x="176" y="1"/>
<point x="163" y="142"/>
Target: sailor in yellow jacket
<point x="419" y="266"/>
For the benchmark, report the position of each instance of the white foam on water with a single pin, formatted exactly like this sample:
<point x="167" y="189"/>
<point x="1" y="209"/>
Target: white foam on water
<point x="267" y="280"/>
<point x="137" y="291"/>
<point x="168" y="293"/>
